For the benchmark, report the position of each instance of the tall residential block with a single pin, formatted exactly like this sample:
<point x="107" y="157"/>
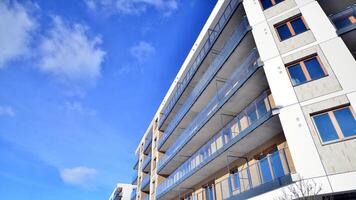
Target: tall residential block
<point x="264" y="101"/>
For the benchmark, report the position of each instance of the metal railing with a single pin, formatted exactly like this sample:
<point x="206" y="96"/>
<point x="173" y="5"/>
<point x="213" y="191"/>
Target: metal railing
<point x="134" y="178"/>
<point x="145" y="181"/>
<point x="146" y="161"/>
<point x="209" y="74"/>
<point x="264" y="171"/>
<point x="254" y="114"/>
<point x="345" y="20"/>
<point x="236" y="80"/>
<point x="209" y="42"/>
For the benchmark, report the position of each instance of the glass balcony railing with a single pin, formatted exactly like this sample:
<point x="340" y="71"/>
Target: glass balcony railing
<point x="147" y="142"/>
<point x="133" y="194"/>
<point x="235" y="81"/>
<point x="273" y="167"/>
<point x="145" y="198"/>
<point x="146" y="161"/>
<point x="134" y="178"/>
<point x="345" y="20"/>
<point x="214" y="67"/>
<point x="145" y="181"/>
<point x="209" y="42"/>
<point x="247" y="120"/>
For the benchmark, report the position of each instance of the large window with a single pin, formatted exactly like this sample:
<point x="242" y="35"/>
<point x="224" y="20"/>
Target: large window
<point x="336" y="124"/>
<point x="291" y="27"/>
<point x="306" y="69"/>
<point x="269" y="3"/>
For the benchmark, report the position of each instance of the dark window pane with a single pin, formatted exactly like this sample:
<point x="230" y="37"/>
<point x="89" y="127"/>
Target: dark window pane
<point x="236" y="181"/>
<point x="278" y="1"/>
<point x="284" y="32"/>
<point x="346" y="121"/>
<point x="298" y="26"/>
<point x="326" y="129"/>
<point x="342" y="23"/>
<point x="266" y="4"/>
<point x="261" y="108"/>
<point x="296" y="74"/>
<point x="314" y="68"/>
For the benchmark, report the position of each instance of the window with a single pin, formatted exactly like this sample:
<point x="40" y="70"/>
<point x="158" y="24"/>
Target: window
<point x="343" y="22"/>
<point x="291" y="27"/>
<point x="306" y="69"/>
<point x="269" y="3"/>
<point x="335" y="124"/>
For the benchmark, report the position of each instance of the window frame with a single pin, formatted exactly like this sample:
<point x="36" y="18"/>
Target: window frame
<point x="334" y="122"/>
<point x="290" y="27"/>
<point x="301" y="62"/>
<point x="273" y="4"/>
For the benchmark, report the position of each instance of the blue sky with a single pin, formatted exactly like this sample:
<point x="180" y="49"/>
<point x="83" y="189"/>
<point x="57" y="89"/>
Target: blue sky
<point x="79" y="83"/>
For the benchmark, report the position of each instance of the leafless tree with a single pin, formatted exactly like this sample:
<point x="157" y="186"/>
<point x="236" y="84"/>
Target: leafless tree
<point x="301" y="190"/>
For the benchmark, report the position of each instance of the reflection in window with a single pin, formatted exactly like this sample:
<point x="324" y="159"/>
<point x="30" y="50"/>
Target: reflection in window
<point x="336" y="124"/>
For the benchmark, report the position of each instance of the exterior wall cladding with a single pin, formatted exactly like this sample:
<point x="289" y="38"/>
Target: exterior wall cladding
<point x="265" y="99"/>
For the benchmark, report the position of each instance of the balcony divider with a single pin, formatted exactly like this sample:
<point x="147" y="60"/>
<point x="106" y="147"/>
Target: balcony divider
<point x="209" y="42"/>
<point x="240" y="31"/>
<point x="235" y="81"/>
<point x="246" y="121"/>
<point x="274" y="167"/>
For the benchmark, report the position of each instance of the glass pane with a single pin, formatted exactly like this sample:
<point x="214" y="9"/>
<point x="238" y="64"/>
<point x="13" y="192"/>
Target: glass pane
<point x="236" y="181"/>
<point x="346" y="121"/>
<point x="261" y="108"/>
<point x="266" y="4"/>
<point x="284" y="32"/>
<point x="298" y="26"/>
<point x="277" y="165"/>
<point x="314" y="68"/>
<point x="326" y="129"/>
<point x="252" y="116"/>
<point x="265" y="170"/>
<point x="296" y="74"/>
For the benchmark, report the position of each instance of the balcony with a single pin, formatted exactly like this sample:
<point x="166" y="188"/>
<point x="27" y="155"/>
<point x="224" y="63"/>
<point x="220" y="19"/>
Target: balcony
<point x="136" y="165"/>
<point x="345" y="23"/>
<point x="147" y="145"/>
<point x="267" y="174"/>
<point x="134" y="178"/>
<point x="235" y="39"/>
<point x="192" y="69"/>
<point x="133" y="194"/>
<point x="145" y="184"/>
<point x="146" y="167"/>
<point x="252" y="127"/>
<point x="345" y="20"/>
<point x="227" y="98"/>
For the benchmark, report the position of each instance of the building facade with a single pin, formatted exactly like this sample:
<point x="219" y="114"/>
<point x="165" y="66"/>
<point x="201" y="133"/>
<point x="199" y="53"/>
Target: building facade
<point x="122" y="191"/>
<point x="265" y="99"/>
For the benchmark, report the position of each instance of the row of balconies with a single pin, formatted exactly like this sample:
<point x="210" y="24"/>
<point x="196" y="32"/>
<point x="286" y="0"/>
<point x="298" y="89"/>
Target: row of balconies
<point x="236" y="80"/>
<point x="257" y="113"/>
<point x="206" y="47"/>
<point x="225" y="52"/>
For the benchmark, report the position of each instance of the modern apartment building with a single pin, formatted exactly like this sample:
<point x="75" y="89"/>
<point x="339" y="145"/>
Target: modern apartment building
<point x="266" y="98"/>
<point x="122" y="191"/>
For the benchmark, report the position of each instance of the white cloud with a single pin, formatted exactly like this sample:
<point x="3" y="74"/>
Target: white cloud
<point x="16" y="26"/>
<point x="134" y="7"/>
<point x="78" y="175"/>
<point x="79" y="108"/>
<point x="70" y="54"/>
<point x="7" y="111"/>
<point x="142" y="51"/>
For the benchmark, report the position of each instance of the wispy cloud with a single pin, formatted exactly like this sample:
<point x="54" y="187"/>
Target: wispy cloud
<point x="79" y="108"/>
<point x="142" y="51"/>
<point x="80" y="176"/>
<point x="7" y="111"/>
<point x="133" y="7"/>
<point x="70" y="54"/>
<point x="16" y="26"/>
